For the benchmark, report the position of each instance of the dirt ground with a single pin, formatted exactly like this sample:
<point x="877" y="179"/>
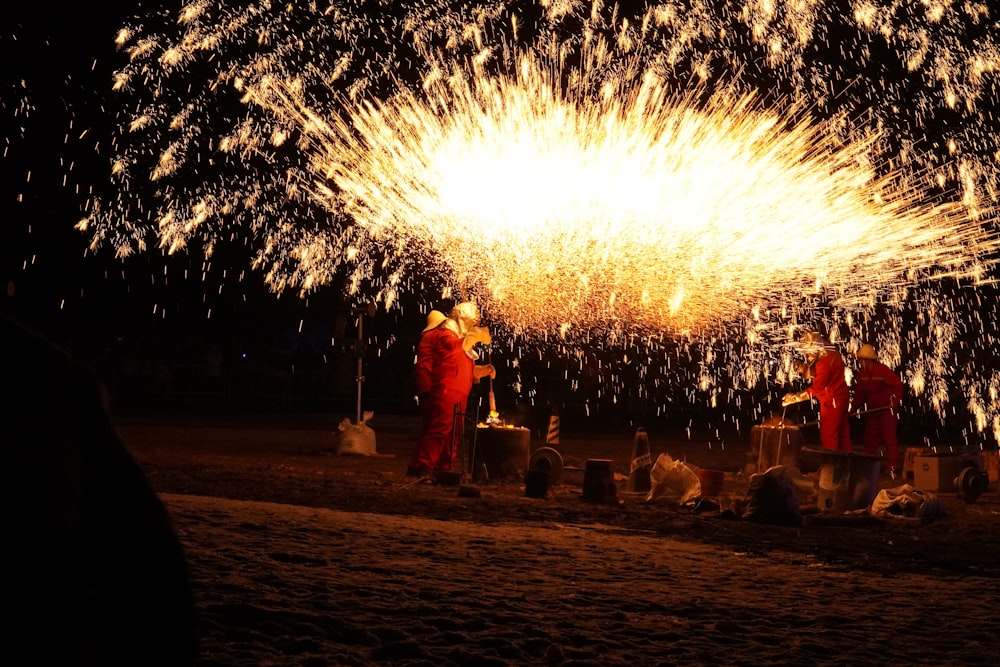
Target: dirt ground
<point x="301" y="556"/>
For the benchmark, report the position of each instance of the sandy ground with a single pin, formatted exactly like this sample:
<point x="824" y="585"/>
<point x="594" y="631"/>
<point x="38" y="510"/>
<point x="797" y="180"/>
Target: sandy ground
<point x="302" y="557"/>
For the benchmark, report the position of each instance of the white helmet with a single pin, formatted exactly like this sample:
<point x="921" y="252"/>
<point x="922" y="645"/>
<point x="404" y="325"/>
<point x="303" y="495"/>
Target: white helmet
<point x="866" y="351"/>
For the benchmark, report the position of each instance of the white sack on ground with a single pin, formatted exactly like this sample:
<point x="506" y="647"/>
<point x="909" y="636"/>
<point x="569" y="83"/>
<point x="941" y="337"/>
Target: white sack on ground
<point x="674" y="481"/>
<point x="357" y="439"/>
<point x="906" y="502"/>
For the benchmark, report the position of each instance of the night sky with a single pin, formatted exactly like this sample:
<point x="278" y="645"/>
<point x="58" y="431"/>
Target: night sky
<point x="57" y="114"/>
<point x="57" y="65"/>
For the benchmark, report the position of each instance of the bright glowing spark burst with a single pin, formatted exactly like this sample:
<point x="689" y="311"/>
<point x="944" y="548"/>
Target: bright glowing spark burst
<point x="717" y="172"/>
<point x="637" y="206"/>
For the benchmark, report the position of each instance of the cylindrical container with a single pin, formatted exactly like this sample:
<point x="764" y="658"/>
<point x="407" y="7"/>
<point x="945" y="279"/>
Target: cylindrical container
<point x="500" y="453"/>
<point x="712" y="482"/>
<point x="598" y="481"/>
<point x="847" y="480"/>
<point x="536" y="483"/>
<point x="776" y="445"/>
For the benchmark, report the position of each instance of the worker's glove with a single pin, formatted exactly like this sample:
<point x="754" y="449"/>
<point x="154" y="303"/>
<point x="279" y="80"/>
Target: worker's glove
<point x="482" y="370"/>
<point x="477" y="335"/>
<point x="794" y="397"/>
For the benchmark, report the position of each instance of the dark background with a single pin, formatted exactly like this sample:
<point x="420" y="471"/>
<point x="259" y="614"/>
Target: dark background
<point x="150" y="323"/>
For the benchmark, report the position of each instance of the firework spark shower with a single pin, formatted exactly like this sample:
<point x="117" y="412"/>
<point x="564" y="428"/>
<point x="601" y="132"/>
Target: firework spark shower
<point x="642" y="207"/>
<point x="644" y="169"/>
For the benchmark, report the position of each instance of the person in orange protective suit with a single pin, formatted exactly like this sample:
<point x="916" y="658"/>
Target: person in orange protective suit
<point x="829" y="386"/>
<point x="447" y="356"/>
<point x="877" y="391"/>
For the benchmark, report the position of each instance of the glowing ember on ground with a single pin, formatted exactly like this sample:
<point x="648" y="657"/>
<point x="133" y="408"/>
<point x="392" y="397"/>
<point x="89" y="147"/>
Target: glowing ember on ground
<point x="712" y="175"/>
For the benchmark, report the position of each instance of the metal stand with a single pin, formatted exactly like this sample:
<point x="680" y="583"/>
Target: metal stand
<point x="458" y="422"/>
<point x="760" y="451"/>
<point x="361" y="311"/>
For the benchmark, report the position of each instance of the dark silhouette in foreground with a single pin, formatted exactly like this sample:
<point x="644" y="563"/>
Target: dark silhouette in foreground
<point x="92" y="570"/>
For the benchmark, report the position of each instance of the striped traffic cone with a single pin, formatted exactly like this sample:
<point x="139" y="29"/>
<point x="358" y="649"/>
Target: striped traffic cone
<point x="642" y="463"/>
<point x="552" y="438"/>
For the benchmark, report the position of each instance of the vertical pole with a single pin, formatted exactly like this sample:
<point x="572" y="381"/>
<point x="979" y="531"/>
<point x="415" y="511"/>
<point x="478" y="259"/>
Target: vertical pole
<point x="360" y="378"/>
<point x="361" y="311"/>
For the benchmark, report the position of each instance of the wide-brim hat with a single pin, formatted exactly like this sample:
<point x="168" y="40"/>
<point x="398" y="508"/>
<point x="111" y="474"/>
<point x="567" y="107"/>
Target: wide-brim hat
<point x="434" y="320"/>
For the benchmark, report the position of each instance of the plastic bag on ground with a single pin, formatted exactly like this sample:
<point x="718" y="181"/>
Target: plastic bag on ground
<point x="357" y="439"/>
<point x="673" y="481"/>
<point x="904" y="501"/>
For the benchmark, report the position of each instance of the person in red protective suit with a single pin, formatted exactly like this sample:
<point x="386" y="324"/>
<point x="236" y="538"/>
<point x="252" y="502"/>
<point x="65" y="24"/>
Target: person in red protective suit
<point x="447" y="356"/>
<point x="423" y="372"/>
<point x="877" y="392"/>
<point x="829" y="387"/>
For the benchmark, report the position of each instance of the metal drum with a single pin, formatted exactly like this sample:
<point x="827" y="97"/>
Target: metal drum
<point x="599" y="481"/>
<point x="500" y="454"/>
<point x="847" y="480"/>
<point x="774" y="443"/>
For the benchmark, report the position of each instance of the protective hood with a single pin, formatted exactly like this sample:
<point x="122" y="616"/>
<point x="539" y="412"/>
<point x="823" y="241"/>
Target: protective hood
<point x="813" y="345"/>
<point x="465" y="315"/>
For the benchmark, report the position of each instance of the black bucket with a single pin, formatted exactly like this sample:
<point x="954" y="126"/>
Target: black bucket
<point x="599" y="481"/>
<point x="536" y="483"/>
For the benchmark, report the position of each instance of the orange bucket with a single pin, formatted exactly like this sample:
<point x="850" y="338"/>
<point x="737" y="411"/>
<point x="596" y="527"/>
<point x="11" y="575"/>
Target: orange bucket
<point x="711" y="482"/>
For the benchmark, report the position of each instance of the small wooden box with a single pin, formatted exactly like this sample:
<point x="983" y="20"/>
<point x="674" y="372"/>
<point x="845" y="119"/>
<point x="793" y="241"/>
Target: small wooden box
<point x="991" y="464"/>
<point x="937" y="472"/>
<point x="910" y="455"/>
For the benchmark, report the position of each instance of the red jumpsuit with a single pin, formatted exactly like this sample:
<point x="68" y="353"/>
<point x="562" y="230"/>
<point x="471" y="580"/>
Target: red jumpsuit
<point x="423" y="377"/>
<point x="423" y="374"/>
<point x="442" y="359"/>
<point x="830" y="388"/>
<point x="879" y="387"/>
